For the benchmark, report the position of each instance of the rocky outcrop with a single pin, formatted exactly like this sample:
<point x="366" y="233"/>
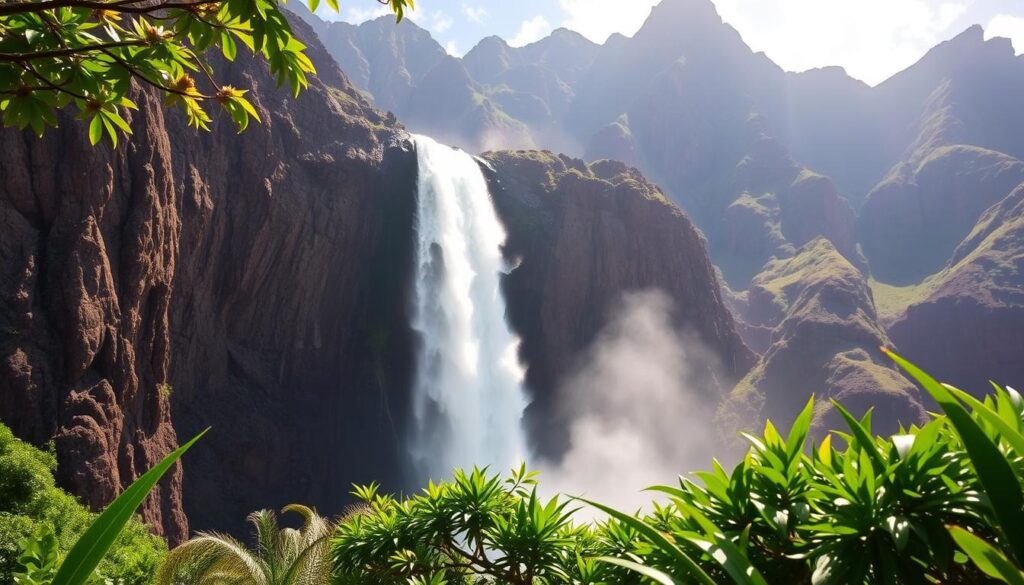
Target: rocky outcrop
<point x="182" y="281"/>
<point x="89" y="243"/>
<point x="774" y="208"/>
<point x="824" y="340"/>
<point x="968" y="329"/>
<point x="580" y="238"/>
<point x="913" y="221"/>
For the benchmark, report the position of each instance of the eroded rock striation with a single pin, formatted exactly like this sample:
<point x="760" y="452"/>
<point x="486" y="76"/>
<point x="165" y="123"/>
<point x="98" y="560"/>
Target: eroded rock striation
<point x="89" y="245"/>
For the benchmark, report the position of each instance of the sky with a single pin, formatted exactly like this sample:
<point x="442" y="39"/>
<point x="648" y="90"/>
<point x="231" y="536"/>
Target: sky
<point x="871" y="39"/>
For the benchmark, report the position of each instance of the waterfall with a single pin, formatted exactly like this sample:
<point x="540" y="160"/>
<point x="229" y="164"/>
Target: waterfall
<point x="468" y="394"/>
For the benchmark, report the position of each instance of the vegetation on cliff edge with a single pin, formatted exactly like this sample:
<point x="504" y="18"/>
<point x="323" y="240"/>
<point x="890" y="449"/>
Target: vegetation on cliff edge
<point x="34" y="509"/>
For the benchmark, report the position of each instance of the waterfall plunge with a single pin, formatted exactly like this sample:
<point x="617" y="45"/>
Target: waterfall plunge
<point x="468" y="394"/>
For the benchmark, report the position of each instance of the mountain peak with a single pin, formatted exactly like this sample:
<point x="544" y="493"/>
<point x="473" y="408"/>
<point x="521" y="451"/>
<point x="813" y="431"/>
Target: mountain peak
<point x="974" y="38"/>
<point x="690" y="11"/>
<point x="974" y="34"/>
<point x="695" y="24"/>
<point x="493" y="40"/>
<point x="564" y="34"/>
<point x="969" y="49"/>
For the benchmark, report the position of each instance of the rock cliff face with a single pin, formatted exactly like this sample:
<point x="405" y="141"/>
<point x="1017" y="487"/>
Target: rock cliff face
<point x="913" y="221"/>
<point x="183" y="281"/>
<point x="288" y="322"/>
<point x="89" y="242"/>
<point x="580" y="237"/>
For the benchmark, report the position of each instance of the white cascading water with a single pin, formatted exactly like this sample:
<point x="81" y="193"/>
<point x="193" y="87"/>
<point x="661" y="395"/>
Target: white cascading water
<point x="468" y="394"/>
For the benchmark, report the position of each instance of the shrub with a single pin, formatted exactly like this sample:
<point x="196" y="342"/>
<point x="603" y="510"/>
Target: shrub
<point x="31" y="506"/>
<point x="474" y="529"/>
<point x="879" y="510"/>
<point x="938" y="503"/>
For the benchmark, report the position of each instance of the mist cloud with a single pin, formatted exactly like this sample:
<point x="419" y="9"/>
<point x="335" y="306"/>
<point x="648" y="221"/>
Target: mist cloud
<point x="636" y="418"/>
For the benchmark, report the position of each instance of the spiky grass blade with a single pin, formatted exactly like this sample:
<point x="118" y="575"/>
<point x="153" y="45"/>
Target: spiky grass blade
<point x="986" y="557"/>
<point x="88" y="551"/>
<point x="652" y="574"/>
<point x="686" y="564"/>
<point x="994" y="472"/>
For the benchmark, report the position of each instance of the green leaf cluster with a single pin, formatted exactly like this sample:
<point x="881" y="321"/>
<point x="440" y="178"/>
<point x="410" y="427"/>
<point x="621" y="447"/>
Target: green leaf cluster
<point x="87" y="53"/>
<point x="992" y="432"/>
<point x="935" y="503"/>
<point x="476" y="528"/>
<point x="39" y="523"/>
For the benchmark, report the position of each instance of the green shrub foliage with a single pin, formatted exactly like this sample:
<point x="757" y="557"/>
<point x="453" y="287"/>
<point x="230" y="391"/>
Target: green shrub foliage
<point x="37" y="515"/>
<point x="475" y="528"/>
<point x="928" y="505"/>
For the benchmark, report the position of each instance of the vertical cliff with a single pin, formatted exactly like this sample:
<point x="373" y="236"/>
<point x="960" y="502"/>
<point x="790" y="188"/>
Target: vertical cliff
<point x="580" y="237"/>
<point x="89" y="242"/>
<point x="966" y="325"/>
<point x="186" y="280"/>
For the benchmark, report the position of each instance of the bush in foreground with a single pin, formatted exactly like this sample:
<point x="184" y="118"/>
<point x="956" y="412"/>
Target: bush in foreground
<point x="34" y="510"/>
<point x="283" y="556"/>
<point x="939" y="503"/>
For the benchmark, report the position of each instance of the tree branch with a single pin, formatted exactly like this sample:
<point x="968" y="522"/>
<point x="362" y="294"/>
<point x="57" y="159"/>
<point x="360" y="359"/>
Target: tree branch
<point x="51" y="84"/>
<point x="121" y="6"/>
<point x="22" y="57"/>
<point x="136" y="73"/>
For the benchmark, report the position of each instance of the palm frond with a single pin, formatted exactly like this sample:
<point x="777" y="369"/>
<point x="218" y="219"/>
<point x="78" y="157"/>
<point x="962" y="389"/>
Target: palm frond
<point x="282" y="556"/>
<point x="265" y="529"/>
<point x="212" y="558"/>
<point x="313" y="565"/>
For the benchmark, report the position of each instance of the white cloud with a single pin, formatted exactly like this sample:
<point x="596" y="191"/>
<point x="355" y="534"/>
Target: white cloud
<point x="597" y="19"/>
<point x="530" y="31"/>
<point x="438" y="22"/>
<point x="357" y="14"/>
<point x="475" y="14"/>
<point x="1011" y="27"/>
<point x="872" y="39"/>
<point x="452" y="48"/>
